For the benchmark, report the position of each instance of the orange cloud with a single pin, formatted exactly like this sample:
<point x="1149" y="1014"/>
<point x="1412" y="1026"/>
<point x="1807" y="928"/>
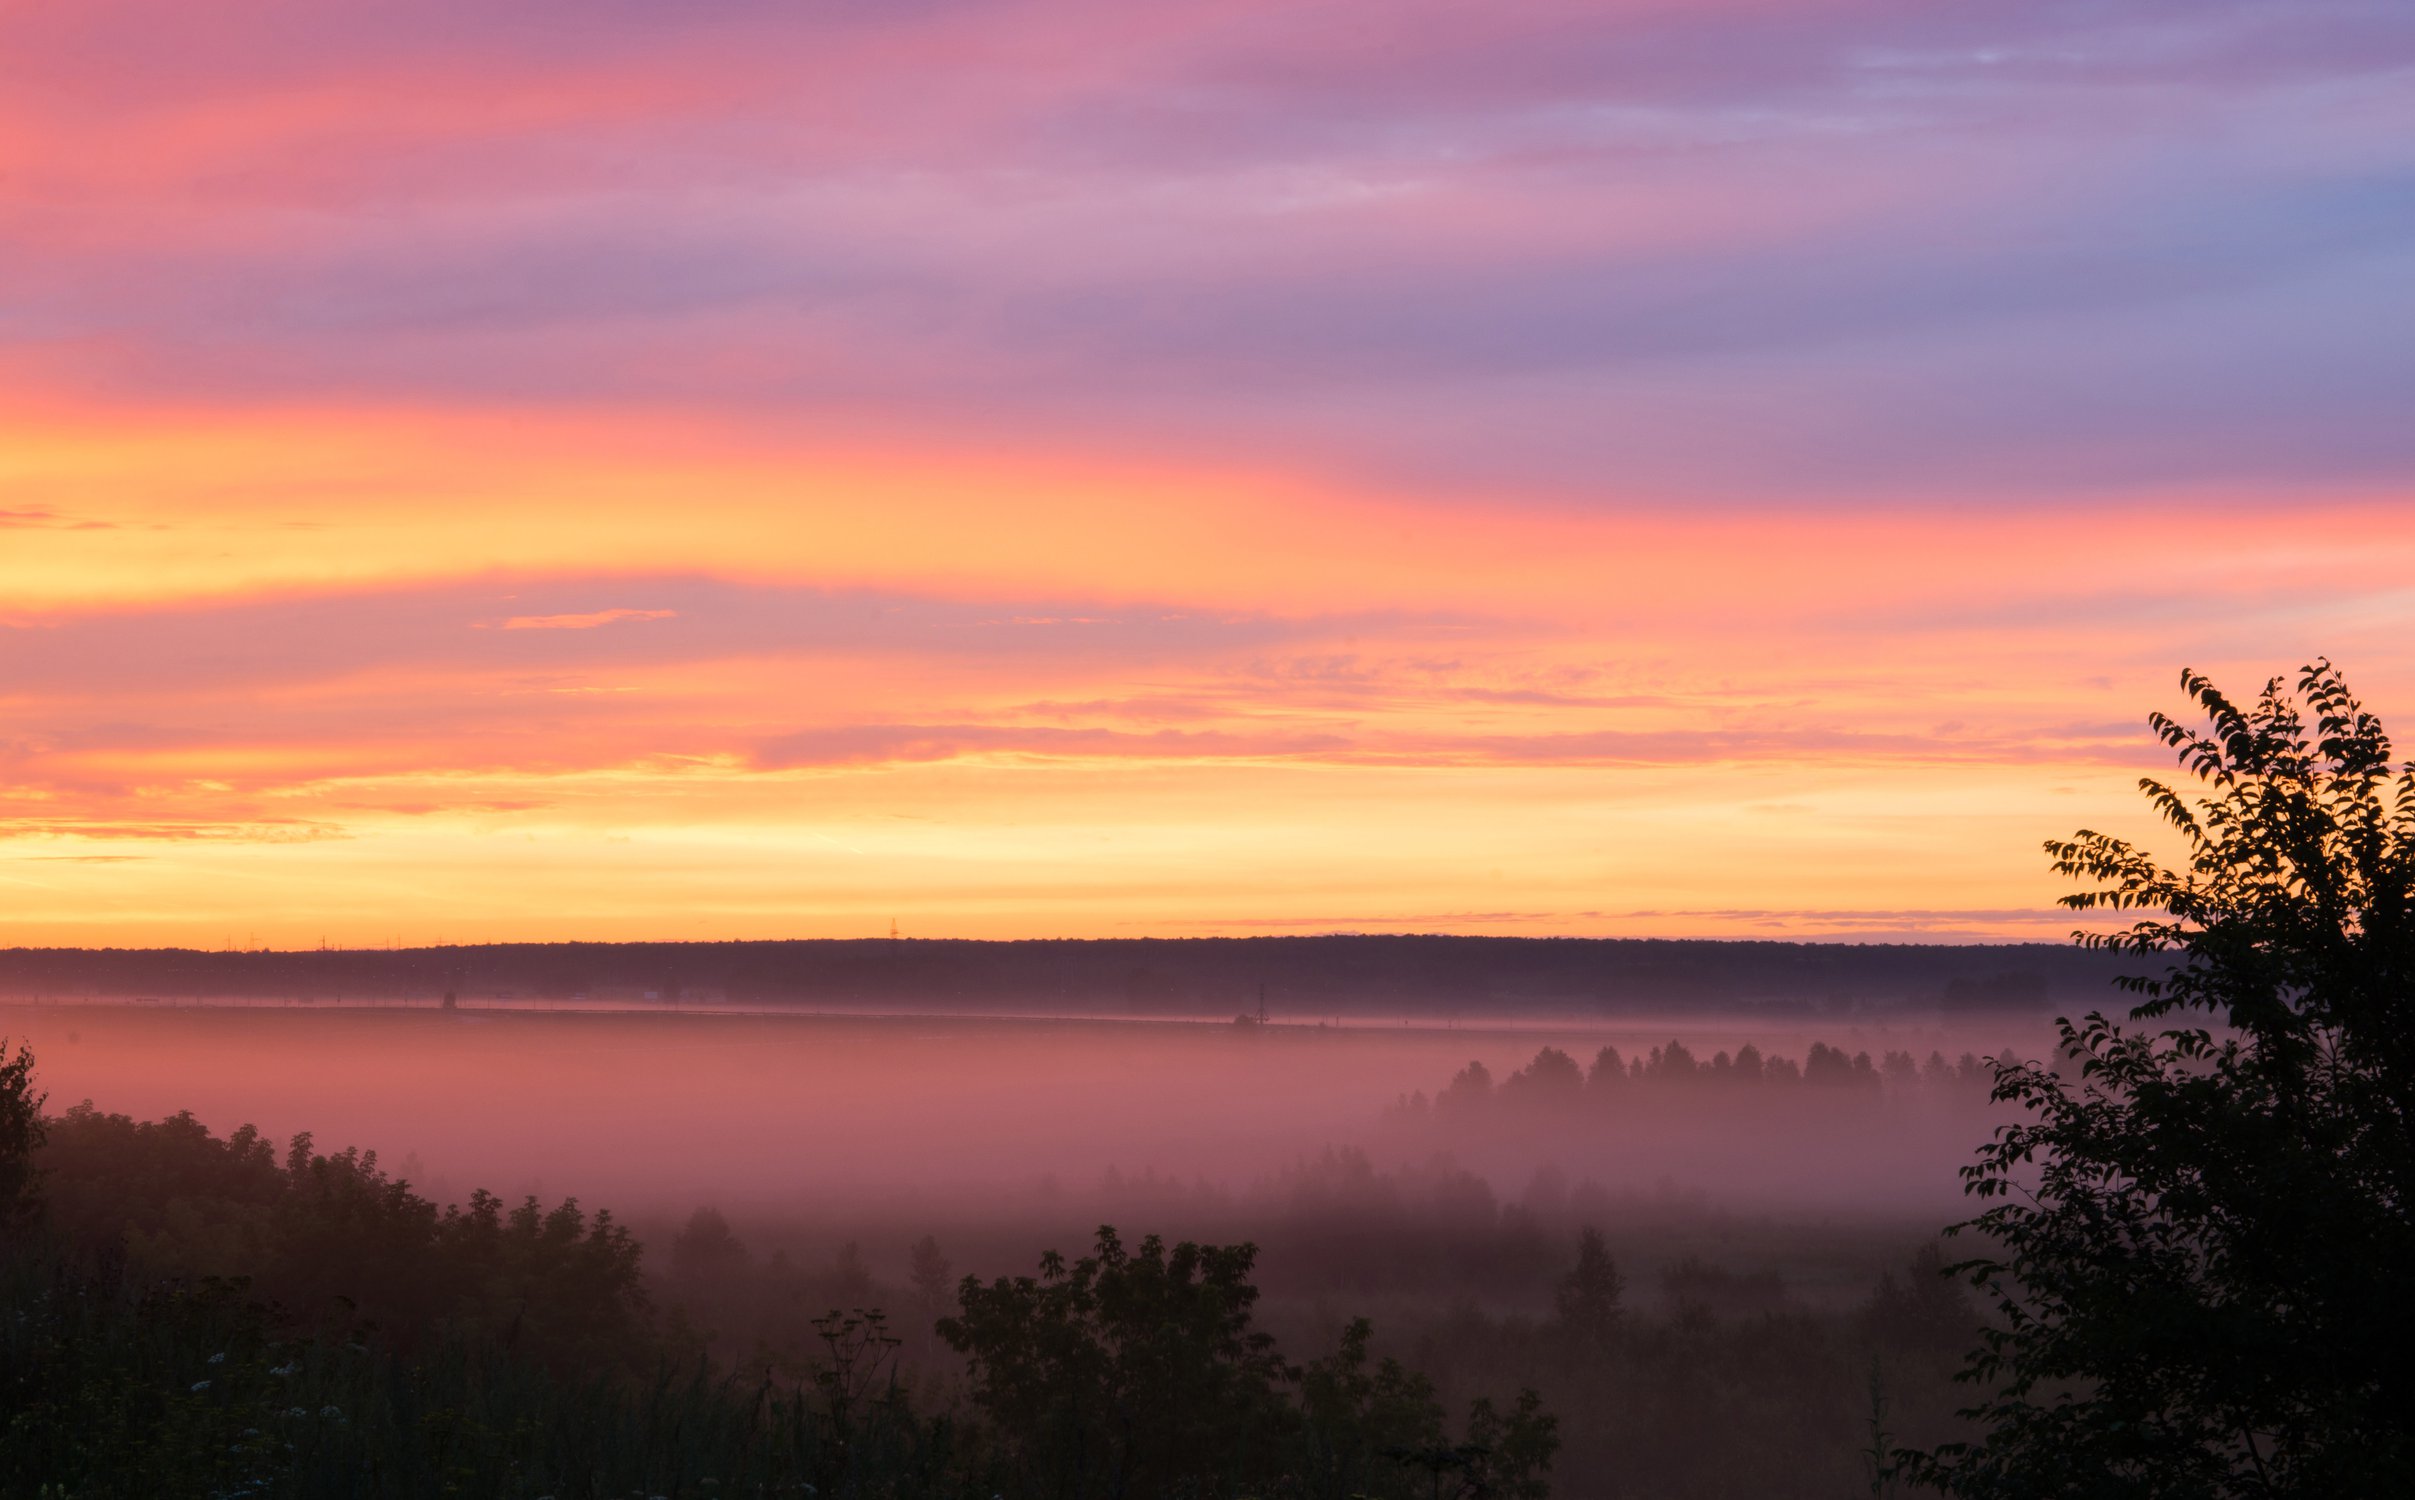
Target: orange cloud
<point x="586" y="621"/>
<point x="1013" y="693"/>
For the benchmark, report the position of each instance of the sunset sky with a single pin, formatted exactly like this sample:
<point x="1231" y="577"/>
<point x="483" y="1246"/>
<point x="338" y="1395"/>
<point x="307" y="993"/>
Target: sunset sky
<point x="634" y="469"/>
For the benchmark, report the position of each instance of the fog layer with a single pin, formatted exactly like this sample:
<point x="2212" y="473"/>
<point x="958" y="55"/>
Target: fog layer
<point x="660" y="1112"/>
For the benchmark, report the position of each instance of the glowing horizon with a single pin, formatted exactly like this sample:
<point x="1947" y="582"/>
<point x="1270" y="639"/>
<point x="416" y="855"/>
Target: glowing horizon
<point x="1057" y="470"/>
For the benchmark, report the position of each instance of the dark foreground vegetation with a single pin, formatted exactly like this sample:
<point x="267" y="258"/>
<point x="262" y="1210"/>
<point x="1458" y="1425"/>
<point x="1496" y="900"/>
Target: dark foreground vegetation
<point x="193" y="1315"/>
<point x="187" y="1313"/>
<point x="2197" y="1238"/>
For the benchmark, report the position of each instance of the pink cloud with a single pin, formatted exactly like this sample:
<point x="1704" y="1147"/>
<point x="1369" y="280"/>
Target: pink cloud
<point x="43" y="518"/>
<point x="285" y="831"/>
<point x="1898" y="245"/>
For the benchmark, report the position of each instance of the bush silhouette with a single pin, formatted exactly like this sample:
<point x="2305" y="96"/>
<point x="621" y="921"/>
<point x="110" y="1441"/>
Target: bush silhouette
<point x="1126" y="1372"/>
<point x="1137" y="1372"/>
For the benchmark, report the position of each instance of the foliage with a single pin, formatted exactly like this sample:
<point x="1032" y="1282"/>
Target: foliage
<point x="333" y="1241"/>
<point x="1586" y="1302"/>
<point x="1137" y="1372"/>
<point x="1728" y="1392"/>
<point x="1124" y="1372"/>
<point x="1364" y="1415"/>
<point x="706" y="1249"/>
<point x="199" y="1317"/>
<point x="108" y="1389"/>
<point x="2200" y="1234"/>
<point x="1508" y="1453"/>
<point x="21" y="1135"/>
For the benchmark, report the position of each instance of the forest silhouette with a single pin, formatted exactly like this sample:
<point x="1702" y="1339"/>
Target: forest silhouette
<point x="1337" y="974"/>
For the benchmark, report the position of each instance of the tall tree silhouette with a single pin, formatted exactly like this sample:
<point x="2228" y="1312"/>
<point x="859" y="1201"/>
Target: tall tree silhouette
<point x="20" y="1136"/>
<point x="1585" y="1305"/>
<point x="2200" y="1234"/>
<point x="927" y="1267"/>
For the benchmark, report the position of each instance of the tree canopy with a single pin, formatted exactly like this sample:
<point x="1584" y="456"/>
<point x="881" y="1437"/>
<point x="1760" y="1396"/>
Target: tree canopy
<point x="1137" y="1371"/>
<point x="2198" y="1234"/>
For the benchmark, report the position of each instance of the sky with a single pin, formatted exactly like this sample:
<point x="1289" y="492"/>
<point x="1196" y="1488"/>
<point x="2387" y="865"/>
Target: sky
<point x="633" y="469"/>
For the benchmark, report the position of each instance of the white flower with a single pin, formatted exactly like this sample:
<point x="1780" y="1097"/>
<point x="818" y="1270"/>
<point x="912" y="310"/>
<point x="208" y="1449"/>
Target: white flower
<point x="218" y="1359"/>
<point x="201" y="1385"/>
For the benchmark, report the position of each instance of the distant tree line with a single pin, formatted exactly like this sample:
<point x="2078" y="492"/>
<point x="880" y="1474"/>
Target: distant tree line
<point x="1302" y="978"/>
<point x="1555" y="1082"/>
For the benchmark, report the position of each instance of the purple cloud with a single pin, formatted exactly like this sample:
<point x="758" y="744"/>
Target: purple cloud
<point x="575" y="624"/>
<point x="1812" y="251"/>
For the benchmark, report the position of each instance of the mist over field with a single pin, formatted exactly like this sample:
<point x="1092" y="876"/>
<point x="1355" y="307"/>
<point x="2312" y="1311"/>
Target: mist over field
<point x="658" y="1112"/>
<point x="1754" y="1167"/>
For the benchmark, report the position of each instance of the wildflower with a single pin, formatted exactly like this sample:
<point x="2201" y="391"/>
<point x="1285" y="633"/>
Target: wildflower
<point x="218" y="1358"/>
<point x="287" y="1368"/>
<point x="201" y="1385"/>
